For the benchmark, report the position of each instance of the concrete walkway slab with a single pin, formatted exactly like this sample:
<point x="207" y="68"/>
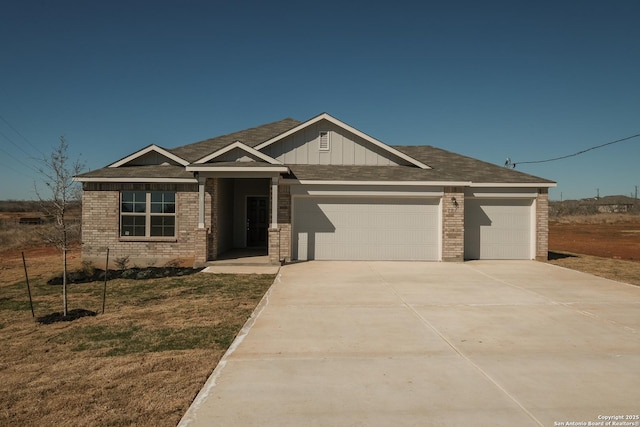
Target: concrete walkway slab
<point x="242" y="269"/>
<point x="430" y="344"/>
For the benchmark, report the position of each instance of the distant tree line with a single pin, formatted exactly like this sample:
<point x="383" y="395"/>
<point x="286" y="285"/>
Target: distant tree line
<point x="32" y="205"/>
<point x="608" y="204"/>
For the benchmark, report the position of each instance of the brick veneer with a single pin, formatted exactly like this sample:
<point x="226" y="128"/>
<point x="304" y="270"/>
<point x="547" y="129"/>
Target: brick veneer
<point x="101" y="229"/>
<point x="542" y="224"/>
<point x="453" y="224"/>
<point x="280" y="238"/>
<point x="101" y="226"/>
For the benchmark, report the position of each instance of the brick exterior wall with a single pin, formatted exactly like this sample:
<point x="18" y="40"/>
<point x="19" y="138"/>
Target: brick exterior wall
<point x="453" y="224"/>
<point x="211" y="220"/>
<point x="542" y="224"/>
<point x="280" y="238"/>
<point x="101" y="226"/>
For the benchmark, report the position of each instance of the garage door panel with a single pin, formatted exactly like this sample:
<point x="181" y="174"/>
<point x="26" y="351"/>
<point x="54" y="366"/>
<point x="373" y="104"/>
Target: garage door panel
<point x="333" y="228"/>
<point x="498" y="229"/>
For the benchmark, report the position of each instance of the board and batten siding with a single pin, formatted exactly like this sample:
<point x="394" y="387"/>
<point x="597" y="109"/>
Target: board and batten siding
<point x="303" y="148"/>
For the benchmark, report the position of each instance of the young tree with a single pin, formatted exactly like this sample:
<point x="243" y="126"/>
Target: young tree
<point x="58" y="173"/>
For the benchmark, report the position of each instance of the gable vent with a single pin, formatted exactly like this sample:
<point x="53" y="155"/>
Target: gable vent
<point x="324" y="141"/>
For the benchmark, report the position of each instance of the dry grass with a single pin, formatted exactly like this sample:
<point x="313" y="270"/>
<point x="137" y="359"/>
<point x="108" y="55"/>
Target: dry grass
<point x="614" y="269"/>
<point x="141" y="363"/>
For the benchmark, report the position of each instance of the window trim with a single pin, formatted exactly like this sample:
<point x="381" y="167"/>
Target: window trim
<point x="147" y="214"/>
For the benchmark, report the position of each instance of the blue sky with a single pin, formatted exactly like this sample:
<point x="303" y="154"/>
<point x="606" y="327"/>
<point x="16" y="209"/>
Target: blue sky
<point x="493" y="79"/>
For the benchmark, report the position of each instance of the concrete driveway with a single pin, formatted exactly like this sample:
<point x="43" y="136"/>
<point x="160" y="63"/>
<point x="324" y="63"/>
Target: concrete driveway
<point x="486" y="343"/>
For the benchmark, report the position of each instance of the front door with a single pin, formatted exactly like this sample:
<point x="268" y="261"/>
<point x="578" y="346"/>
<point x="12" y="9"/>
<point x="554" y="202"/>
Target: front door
<point x="257" y="221"/>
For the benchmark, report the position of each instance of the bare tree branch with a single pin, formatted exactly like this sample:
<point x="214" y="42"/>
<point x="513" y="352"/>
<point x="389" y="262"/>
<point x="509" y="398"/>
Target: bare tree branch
<point x="58" y="175"/>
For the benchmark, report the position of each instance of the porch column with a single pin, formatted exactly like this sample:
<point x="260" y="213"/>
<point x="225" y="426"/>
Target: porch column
<point x="274" y="203"/>
<point x="201" y="182"/>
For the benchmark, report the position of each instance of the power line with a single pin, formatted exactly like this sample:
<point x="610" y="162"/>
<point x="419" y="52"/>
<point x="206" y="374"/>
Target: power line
<point x="509" y="163"/>
<point x="21" y="135"/>
<point x="38" y="171"/>
<point x="18" y="146"/>
<point x="21" y="172"/>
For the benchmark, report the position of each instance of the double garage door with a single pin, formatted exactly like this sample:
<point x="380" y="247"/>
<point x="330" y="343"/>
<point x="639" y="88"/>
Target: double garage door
<point x="366" y="228"/>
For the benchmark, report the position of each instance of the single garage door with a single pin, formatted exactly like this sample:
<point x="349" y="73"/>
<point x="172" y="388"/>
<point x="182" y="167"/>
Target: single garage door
<point x="366" y="228"/>
<point x="497" y="229"/>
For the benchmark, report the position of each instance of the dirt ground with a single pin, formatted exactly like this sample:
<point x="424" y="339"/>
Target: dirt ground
<point x="606" y="245"/>
<point x="41" y="262"/>
<point x="620" y="240"/>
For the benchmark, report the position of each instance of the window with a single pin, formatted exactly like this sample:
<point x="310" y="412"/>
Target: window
<point x="147" y="214"/>
<point x="324" y="143"/>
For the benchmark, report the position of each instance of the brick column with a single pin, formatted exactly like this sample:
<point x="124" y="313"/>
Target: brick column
<point x="453" y="224"/>
<point x="280" y="237"/>
<point x="211" y="215"/>
<point x="542" y="224"/>
<point x="200" y="250"/>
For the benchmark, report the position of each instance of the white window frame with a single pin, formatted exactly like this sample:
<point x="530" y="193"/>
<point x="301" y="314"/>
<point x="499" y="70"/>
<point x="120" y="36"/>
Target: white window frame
<point x="147" y="214"/>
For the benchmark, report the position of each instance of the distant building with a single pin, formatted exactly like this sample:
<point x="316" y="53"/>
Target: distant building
<point x="615" y="204"/>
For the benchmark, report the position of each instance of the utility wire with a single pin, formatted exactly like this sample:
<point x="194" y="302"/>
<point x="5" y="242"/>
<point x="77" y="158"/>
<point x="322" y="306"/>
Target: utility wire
<point x="21" y="172"/>
<point x="509" y="163"/>
<point x="35" y="169"/>
<point x="15" y="144"/>
<point x="21" y="135"/>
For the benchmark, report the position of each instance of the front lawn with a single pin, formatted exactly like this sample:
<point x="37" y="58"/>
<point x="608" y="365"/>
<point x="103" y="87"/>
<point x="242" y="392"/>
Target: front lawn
<point x="140" y="363"/>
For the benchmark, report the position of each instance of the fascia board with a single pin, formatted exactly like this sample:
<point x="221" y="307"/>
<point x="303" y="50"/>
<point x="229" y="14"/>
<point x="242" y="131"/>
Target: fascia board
<point x="123" y="179"/>
<point x="325" y="116"/>
<point x="146" y="150"/>
<point x="513" y="184"/>
<point x="241" y="146"/>
<point x="379" y="183"/>
<point x="213" y="168"/>
<point x="531" y="195"/>
<point x="365" y="193"/>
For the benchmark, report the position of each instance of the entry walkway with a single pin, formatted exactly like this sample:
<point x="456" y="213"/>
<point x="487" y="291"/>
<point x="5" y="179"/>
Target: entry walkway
<point x="517" y="343"/>
<point x="242" y="261"/>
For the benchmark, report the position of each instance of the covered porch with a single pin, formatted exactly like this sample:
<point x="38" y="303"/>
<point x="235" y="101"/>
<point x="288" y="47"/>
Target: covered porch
<point x="238" y="214"/>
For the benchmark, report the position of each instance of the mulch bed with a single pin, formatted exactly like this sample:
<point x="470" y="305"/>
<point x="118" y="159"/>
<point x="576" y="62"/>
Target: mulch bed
<point x="72" y="315"/>
<point x="94" y="275"/>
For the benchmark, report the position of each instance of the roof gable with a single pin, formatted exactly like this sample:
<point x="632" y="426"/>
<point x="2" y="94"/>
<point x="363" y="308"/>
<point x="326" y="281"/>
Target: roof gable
<point x="150" y="155"/>
<point x="250" y="137"/>
<point x="238" y="152"/>
<point x="306" y="144"/>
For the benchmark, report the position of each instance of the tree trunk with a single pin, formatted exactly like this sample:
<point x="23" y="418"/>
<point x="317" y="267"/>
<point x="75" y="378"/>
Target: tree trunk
<point x="64" y="281"/>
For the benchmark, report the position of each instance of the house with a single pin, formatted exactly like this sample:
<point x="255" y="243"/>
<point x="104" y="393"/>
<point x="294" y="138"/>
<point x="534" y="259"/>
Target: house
<point x="319" y="189"/>
<point x="615" y="204"/>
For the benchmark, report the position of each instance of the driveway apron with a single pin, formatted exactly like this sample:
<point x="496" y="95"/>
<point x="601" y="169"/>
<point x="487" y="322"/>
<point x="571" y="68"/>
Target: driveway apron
<point x="486" y="343"/>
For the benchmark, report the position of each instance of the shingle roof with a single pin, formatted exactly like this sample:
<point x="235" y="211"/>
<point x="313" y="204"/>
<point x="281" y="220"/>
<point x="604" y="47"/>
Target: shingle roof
<point x="449" y="165"/>
<point x="151" y="171"/>
<point x="250" y="137"/>
<point x="360" y="173"/>
<point x="445" y="165"/>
